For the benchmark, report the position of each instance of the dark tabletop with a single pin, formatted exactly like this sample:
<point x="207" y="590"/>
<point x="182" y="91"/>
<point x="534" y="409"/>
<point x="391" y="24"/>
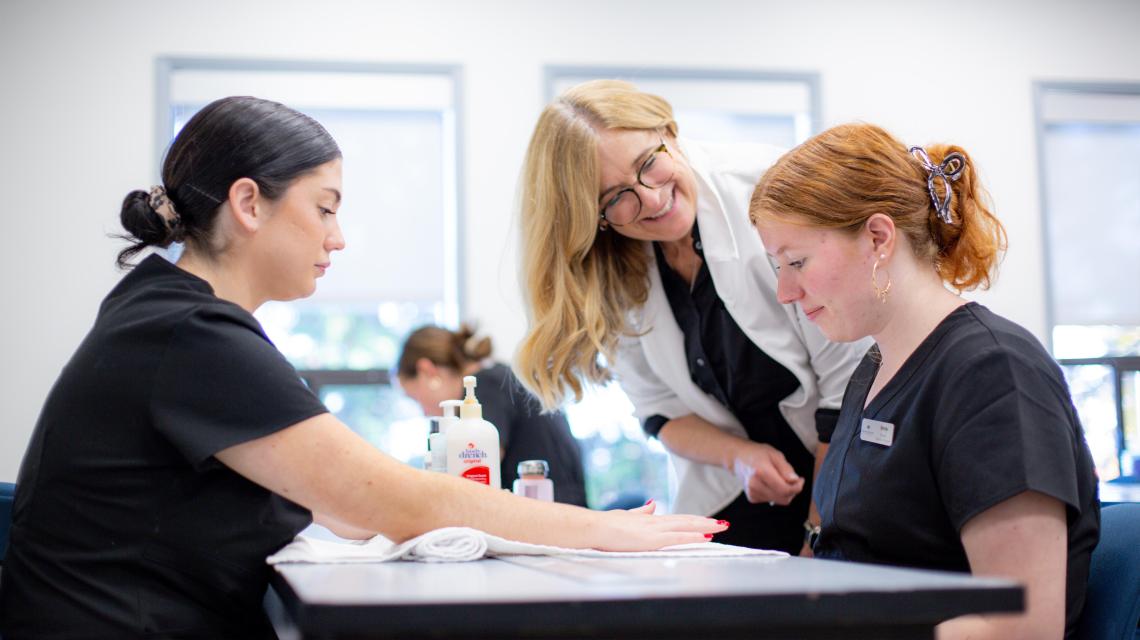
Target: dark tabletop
<point x="569" y="597"/>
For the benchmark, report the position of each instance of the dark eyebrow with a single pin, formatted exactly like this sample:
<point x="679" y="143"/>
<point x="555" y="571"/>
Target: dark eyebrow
<point x="635" y="165"/>
<point x="335" y="193"/>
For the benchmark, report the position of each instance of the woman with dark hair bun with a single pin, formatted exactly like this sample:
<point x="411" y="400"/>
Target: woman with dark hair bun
<point x="431" y="369"/>
<point x="957" y="446"/>
<point x="178" y="448"/>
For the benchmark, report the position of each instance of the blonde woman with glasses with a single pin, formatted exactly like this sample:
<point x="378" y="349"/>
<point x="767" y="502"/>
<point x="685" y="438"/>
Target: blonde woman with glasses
<point x="640" y="264"/>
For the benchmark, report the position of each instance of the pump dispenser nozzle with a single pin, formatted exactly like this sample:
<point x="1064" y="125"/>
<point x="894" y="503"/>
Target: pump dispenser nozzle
<point x="470" y="407"/>
<point x="450" y="408"/>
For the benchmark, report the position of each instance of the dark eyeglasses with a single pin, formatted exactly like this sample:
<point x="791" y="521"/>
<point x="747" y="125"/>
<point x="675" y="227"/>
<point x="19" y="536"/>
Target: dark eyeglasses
<point x="624" y="207"/>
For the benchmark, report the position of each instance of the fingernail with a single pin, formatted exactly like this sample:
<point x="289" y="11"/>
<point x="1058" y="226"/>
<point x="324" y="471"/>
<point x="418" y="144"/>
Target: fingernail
<point x="722" y="522"/>
<point x="708" y="536"/>
<point x="649" y="501"/>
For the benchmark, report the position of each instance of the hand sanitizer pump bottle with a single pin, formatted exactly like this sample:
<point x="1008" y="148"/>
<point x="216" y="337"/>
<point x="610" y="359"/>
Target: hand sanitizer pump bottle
<point x="437" y="442"/>
<point x="473" y="443"/>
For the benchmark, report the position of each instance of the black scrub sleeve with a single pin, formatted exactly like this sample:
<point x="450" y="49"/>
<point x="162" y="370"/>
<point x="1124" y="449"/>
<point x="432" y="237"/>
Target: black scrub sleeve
<point x="1002" y="427"/>
<point x="222" y="382"/>
<point x="653" y="425"/>
<point x="825" y="421"/>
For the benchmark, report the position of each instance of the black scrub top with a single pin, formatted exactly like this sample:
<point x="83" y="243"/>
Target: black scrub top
<point x="125" y="525"/>
<point x="526" y="433"/>
<point x="727" y="365"/>
<point x="980" y="413"/>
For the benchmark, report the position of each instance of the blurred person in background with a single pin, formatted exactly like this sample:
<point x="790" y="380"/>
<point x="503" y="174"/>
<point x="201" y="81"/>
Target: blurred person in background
<point x="430" y="370"/>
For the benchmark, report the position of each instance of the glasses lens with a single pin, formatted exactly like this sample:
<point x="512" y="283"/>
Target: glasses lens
<point x="657" y="170"/>
<point x="625" y="209"/>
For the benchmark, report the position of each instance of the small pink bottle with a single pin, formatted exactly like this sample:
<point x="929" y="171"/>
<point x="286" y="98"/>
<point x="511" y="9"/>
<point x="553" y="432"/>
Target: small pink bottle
<point x="532" y="481"/>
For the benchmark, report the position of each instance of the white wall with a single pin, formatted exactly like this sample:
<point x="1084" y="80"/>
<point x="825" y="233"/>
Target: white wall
<point x="76" y="118"/>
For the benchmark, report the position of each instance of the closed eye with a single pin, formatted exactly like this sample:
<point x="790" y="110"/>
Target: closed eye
<point x="613" y="200"/>
<point x="326" y="211"/>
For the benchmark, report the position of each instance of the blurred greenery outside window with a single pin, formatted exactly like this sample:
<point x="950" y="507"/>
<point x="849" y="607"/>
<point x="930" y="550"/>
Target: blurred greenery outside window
<point x="1089" y="141"/>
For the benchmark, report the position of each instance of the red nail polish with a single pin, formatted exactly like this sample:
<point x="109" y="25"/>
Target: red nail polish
<point x="649" y="501"/>
<point x="723" y="522"/>
<point x="708" y="536"/>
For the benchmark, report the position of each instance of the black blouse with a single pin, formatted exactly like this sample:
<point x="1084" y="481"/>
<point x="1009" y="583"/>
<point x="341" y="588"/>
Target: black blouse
<point x="723" y="361"/>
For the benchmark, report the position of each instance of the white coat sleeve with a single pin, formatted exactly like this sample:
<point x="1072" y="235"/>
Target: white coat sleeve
<point x="648" y="393"/>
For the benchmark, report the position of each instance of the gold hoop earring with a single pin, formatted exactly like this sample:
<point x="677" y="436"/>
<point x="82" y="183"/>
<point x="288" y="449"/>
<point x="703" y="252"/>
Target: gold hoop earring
<point x="435" y="383"/>
<point x="881" y="294"/>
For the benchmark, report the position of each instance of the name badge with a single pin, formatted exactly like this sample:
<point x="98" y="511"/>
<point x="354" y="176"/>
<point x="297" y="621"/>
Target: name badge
<point x="877" y="432"/>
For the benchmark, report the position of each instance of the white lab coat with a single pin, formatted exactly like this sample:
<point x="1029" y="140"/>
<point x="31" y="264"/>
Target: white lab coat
<point x="652" y="368"/>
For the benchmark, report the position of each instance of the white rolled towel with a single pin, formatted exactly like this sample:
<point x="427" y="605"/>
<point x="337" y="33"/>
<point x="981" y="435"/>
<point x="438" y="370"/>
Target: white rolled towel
<point x="449" y="544"/>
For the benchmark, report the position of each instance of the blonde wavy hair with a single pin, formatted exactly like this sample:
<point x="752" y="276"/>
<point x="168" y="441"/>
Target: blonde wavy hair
<point x="579" y="284"/>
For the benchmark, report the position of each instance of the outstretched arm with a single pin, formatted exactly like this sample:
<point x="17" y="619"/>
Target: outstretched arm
<point x="322" y="465"/>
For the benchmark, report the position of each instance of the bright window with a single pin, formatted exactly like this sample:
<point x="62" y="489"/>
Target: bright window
<point x="1089" y="139"/>
<point x="397" y="130"/>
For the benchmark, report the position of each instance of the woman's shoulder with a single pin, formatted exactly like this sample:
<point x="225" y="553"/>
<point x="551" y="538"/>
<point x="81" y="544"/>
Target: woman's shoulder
<point x="979" y="343"/>
<point x="495" y="374"/>
<point x="159" y="295"/>
<point x="498" y="383"/>
<point x="975" y="328"/>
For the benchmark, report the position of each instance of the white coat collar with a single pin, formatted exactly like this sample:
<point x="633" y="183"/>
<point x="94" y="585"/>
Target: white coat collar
<point x="717" y="237"/>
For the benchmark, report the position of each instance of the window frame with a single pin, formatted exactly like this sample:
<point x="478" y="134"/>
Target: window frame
<point x="1040" y="89"/>
<point x="1119" y="365"/>
<point x="552" y="74"/>
<point x="167" y="66"/>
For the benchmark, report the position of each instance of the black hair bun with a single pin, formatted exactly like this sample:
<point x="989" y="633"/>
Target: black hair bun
<point x="142" y="221"/>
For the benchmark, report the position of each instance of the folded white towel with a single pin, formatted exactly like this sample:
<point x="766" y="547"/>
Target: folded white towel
<point x="462" y="544"/>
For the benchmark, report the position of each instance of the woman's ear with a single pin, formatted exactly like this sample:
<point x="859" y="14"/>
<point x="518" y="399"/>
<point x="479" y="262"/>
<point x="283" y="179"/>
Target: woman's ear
<point x="425" y="367"/>
<point x="244" y="200"/>
<point x="881" y="233"/>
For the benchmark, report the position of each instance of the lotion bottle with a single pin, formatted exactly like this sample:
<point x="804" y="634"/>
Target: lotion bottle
<point x="473" y="443"/>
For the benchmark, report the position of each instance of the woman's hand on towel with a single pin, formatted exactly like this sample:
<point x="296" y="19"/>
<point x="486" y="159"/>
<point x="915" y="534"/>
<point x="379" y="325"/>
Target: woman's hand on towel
<point x="639" y="530"/>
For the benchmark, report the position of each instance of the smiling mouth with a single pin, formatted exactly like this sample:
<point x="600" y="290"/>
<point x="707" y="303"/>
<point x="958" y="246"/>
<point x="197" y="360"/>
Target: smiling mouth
<point x="668" y="205"/>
